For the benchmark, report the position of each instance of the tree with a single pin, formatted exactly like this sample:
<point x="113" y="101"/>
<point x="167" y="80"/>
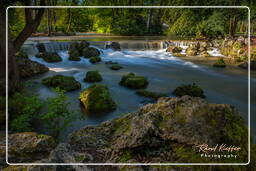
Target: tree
<point x="32" y="18"/>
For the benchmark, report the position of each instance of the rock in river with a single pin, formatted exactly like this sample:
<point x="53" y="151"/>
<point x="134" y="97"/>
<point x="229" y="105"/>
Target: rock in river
<point x="133" y="81"/>
<point x="93" y="76"/>
<point x="97" y="99"/>
<point x="67" y="83"/>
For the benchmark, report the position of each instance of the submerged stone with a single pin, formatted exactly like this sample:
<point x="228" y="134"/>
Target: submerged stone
<point x="115" y="67"/>
<point x="190" y="90"/>
<point x="150" y="94"/>
<point x="132" y="81"/>
<point x="220" y="63"/>
<point x="93" y="76"/>
<point x="67" y="83"/>
<point x="97" y="99"/>
<point x="95" y="59"/>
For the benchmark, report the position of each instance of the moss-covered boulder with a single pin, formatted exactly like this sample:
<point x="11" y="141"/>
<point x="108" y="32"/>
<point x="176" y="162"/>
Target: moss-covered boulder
<point x="170" y="130"/>
<point x="90" y="52"/>
<point x="93" y="76"/>
<point x="79" y="47"/>
<point x="132" y="81"/>
<point x="97" y="99"/>
<point x="190" y="90"/>
<point x="95" y="59"/>
<point x="28" y="147"/>
<point x="74" y="55"/>
<point x="174" y="49"/>
<point x="67" y="83"/>
<point x="49" y="56"/>
<point x="220" y="63"/>
<point x="151" y="94"/>
<point x="115" y="67"/>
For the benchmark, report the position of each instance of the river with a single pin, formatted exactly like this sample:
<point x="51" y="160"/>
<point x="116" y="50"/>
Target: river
<point x="146" y="57"/>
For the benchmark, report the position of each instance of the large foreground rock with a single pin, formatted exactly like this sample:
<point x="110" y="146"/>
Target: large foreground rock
<point x="27" y="147"/>
<point x="168" y="131"/>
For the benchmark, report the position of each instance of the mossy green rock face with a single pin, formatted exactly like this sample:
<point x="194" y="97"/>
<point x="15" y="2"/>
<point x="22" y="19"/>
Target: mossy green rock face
<point x="49" y="56"/>
<point x="76" y="46"/>
<point x="95" y="59"/>
<point x="115" y="67"/>
<point x="97" y="99"/>
<point x="90" y="52"/>
<point x="150" y="94"/>
<point x="74" y="55"/>
<point x="92" y="76"/>
<point x="167" y="131"/>
<point x="220" y="63"/>
<point x="67" y="83"/>
<point x="135" y="82"/>
<point x="190" y="90"/>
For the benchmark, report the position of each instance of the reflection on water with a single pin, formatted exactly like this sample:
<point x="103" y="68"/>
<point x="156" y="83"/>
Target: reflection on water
<point x="164" y="72"/>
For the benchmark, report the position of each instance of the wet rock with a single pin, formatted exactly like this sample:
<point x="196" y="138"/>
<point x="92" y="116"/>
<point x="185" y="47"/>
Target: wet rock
<point x="67" y="83"/>
<point x="111" y="62"/>
<point x="205" y="54"/>
<point x="220" y="63"/>
<point x="115" y="67"/>
<point x="41" y="47"/>
<point x="174" y="49"/>
<point x="179" y="55"/>
<point x="74" y="55"/>
<point x="114" y="45"/>
<point x="49" y="56"/>
<point x="79" y="47"/>
<point x="167" y="131"/>
<point x="132" y="81"/>
<point x="90" y="52"/>
<point x="97" y="99"/>
<point x="28" y="68"/>
<point x="95" y="59"/>
<point x="28" y="147"/>
<point x="93" y="76"/>
<point x="191" y="51"/>
<point x="190" y="90"/>
<point x="150" y="94"/>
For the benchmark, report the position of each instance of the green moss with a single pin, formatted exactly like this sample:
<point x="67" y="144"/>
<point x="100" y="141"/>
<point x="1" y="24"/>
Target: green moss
<point x="93" y="76"/>
<point x="74" y="55"/>
<point x="96" y="98"/>
<point x="90" y="52"/>
<point x="67" y="83"/>
<point x="190" y="90"/>
<point x="95" y="59"/>
<point x="115" y="67"/>
<point x="220" y="63"/>
<point x="79" y="158"/>
<point x="126" y="156"/>
<point x="150" y="94"/>
<point x="132" y="81"/>
<point x="122" y="126"/>
<point x="49" y="56"/>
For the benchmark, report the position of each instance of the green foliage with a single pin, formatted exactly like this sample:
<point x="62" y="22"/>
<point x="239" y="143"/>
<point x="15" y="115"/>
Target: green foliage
<point x="23" y="110"/>
<point x="58" y="116"/>
<point x="214" y="26"/>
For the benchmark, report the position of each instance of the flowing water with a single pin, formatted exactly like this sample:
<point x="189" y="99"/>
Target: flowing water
<point x="164" y="72"/>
